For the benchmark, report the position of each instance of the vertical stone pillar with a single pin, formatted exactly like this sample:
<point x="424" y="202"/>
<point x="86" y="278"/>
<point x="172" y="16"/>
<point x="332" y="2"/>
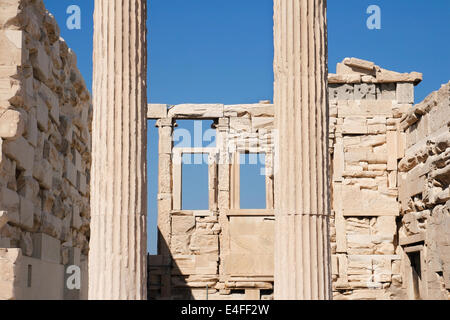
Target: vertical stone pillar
<point x="165" y="129"/>
<point x="165" y="196"/>
<point x="223" y="196"/>
<point x="302" y="259"/>
<point x="118" y="252"/>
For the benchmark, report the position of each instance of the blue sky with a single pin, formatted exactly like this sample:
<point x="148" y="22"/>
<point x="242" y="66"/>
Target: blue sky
<point x="221" y="51"/>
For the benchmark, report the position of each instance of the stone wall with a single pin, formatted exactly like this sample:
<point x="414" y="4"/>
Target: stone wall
<point x="45" y="147"/>
<point x="378" y="141"/>
<point x="424" y="196"/>
<point x="366" y="105"/>
<point x="225" y="250"/>
<point x="390" y="185"/>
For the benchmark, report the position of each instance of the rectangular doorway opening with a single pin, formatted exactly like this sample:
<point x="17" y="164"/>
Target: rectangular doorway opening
<point x="416" y="276"/>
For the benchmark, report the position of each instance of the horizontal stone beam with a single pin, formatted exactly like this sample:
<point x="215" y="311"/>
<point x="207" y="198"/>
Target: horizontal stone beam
<point x="209" y="111"/>
<point x="196" y="111"/>
<point x="403" y="241"/>
<point x="370" y="213"/>
<point x="251" y="212"/>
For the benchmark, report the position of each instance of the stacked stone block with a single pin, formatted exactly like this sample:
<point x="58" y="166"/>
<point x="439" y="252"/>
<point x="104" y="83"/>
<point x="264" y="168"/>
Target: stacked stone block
<point x="366" y="106"/>
<point x="45" y="146"/>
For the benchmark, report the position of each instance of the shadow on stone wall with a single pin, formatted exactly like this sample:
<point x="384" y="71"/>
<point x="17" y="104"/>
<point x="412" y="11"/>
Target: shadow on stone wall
<point x="161" y="268"/>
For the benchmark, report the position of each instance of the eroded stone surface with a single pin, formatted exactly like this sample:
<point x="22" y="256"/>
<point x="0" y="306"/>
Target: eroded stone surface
<point x="45" y="114"/>
<point x="358" y="71"/>
<point x="424" y="195"/>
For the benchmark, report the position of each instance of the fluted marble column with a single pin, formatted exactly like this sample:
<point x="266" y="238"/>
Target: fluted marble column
<point x="118" y="253"/>
<point x="302" y="258"/>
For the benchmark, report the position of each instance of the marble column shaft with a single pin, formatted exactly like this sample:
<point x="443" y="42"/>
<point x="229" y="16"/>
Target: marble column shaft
<point x="302" y="258"/>
<point x="118" y="252"/>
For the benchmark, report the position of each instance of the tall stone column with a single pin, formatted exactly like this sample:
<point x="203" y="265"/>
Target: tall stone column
<point x="118" y="251"/>
<point x="302" y="258"/>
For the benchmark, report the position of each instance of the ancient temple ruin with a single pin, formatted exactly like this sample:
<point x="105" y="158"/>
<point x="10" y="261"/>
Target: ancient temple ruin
<point x="356" y="173"/>
<point x="375" y="195"/>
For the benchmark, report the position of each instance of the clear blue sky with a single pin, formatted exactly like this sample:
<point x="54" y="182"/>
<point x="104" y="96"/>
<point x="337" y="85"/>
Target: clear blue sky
<point x="222" y="51"/>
